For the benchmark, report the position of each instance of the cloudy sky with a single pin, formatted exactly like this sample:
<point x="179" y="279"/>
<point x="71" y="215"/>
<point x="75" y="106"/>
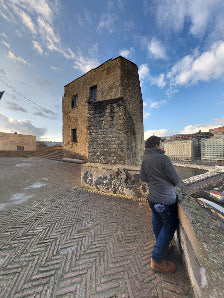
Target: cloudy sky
<point x="178" y="46"/>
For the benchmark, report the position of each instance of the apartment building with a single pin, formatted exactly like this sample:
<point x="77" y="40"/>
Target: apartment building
<point x="183" y="149"/>
<point x="212" y="149"/>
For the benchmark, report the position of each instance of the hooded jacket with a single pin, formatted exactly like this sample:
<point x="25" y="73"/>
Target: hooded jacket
<point x="158" y="171"/>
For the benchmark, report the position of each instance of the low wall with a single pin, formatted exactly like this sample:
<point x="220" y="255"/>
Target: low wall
<point x="16" y="153"/>
<point x="202" y="244"/>
<point x="199" y="237"/>
<point x="6" y="153"/>
<point x="116" y="179"/>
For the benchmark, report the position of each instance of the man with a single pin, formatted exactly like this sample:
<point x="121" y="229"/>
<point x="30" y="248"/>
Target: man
<point x="157" y="170"/>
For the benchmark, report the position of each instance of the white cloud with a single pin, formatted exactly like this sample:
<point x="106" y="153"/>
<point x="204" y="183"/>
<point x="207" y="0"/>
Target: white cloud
<point x="48" y="34"/>
<point x="40" y="7"/>
<point x="85" y="64"/>
<point x="4" y="15"/>
<point x="144" y="104"/>
<point x="93" y="51"/>
<point x="42" y="83"/>
<point x="143" y="71"/>
<point x="156" y="49"/>
<point x="203" y="126"/>
<point x="3" y="34"/>
<point x="157" y="104"/>
<point x="192" y="68"/>
<point x="107" y="22"/>
<point x="37" y="47"/>
<point x="6" y="44"/>
<point x="144" y="74"/>
<point x="159" y="81"/>
<point x="39" y="18"/>
<point x="12" y="106"/>
<point x="127" y="53"/>
<point x="41" y="114"/>
<point x="18" y="59"/>
<point x="85" y="18"/>
<point x="203" y="15"/>
<point x="27" y="21"/>
<point x="157" y="132"/>
<point x="19" y="34"/>
<point x="54" y="68"/>
<point x="21" y="126"/>
<point x="146" y="115"/>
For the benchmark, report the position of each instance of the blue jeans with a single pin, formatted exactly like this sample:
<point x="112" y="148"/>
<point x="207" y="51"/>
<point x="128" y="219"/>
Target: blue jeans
<point x="164" y="222"/>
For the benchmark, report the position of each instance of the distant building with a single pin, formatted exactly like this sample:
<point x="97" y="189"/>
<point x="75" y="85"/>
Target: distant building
<point x="212" y="149"/>
<point x="216" y="194"/>
<point x="217" y="130"/>
<point x="197" y="135"/>
<point x="183" y="150"/>
<point x="103" y="115"/>
<point x="17" y="142"/>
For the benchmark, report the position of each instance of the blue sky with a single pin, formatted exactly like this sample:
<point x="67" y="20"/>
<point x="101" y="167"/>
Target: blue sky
<point x="177" y="45"/>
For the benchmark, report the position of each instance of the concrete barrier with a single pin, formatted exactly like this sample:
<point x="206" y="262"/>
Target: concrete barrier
<point x="199" y="238"/>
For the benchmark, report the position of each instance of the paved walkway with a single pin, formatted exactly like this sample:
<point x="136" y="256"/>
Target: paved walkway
<point x="57" y="240"/>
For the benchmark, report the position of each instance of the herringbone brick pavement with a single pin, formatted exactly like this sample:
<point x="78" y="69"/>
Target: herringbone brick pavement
<point x="81" y="244"/>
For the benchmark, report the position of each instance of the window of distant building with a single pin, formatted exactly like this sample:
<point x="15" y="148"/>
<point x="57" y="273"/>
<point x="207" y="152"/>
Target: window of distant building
<point x="93" y="93"/>
<point x="20" y="148"/>
<point x="74" y="135"/>
<point x="74" y="101"/>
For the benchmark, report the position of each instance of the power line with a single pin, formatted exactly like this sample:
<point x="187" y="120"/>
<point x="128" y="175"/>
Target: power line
<point x="12" y="88"/>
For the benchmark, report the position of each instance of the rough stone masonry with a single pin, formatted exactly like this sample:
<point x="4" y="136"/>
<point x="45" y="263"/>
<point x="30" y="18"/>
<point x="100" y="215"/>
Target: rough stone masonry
<point x="103" y="115"/>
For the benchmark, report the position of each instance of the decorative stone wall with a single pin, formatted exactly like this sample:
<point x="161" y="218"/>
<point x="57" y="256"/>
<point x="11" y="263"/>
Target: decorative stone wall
<point x="117" y="78"/>
<point x="10" y="141"/>
<point x="116" y="179"/>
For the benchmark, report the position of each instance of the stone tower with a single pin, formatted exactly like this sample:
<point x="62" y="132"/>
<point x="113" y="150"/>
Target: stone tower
<point x="103" y="115"/>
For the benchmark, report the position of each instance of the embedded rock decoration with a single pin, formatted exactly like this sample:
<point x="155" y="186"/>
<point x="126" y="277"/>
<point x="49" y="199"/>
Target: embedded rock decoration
<point x="120" y="180"/>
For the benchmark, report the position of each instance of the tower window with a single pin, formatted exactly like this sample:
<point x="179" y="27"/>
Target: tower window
<point x="74" y="101"/>
<point x="93" y="93"/>
<point x="20" y="148"/>
<point x="74" y="135"/>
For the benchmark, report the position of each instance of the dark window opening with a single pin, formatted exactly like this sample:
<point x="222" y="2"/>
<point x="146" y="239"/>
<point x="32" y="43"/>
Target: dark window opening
<point x="74" y="135"/>
<point x="74" y="101"/>
<point x="20" y="148"/>
<point x="93" y="93"/>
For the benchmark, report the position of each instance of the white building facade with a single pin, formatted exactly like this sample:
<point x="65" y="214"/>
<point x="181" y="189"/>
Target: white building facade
<point x="183" y="149"/>
<point x="212" y="149"/>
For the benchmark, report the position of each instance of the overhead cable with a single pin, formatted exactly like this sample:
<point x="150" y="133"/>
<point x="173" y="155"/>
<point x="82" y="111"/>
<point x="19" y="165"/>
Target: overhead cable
<point x="12" y="88"/>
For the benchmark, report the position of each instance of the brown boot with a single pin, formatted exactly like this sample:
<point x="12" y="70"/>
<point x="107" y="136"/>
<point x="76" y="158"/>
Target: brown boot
<point x="165" y="266"/>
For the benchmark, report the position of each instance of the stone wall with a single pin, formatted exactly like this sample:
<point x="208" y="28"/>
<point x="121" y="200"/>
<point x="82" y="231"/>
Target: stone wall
<point x="107" y="79"/>
<point x="114" y="79"/>
<point x="131" y="92"/>
<point x="106" y="126"/>
<point x="11" y="141"/>
<point x="6" y="153"/>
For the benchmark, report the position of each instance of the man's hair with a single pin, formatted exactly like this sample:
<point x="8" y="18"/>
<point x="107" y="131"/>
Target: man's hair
<point x="152" y="142"/>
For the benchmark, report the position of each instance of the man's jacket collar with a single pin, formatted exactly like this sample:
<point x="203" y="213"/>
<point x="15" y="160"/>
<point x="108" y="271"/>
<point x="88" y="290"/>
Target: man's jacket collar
<point x="154" y="150"/>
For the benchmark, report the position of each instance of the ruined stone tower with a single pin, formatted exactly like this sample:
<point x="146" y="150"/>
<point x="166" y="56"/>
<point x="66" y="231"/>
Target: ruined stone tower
<point x="103" y="115"/>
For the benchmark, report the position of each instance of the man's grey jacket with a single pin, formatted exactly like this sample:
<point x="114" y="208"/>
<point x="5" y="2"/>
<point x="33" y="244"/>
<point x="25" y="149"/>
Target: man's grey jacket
<point x="158" y="171"/>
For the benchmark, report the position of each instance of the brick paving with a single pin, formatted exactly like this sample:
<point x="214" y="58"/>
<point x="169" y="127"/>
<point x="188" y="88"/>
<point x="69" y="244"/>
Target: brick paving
<point x="58" y="240"/>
